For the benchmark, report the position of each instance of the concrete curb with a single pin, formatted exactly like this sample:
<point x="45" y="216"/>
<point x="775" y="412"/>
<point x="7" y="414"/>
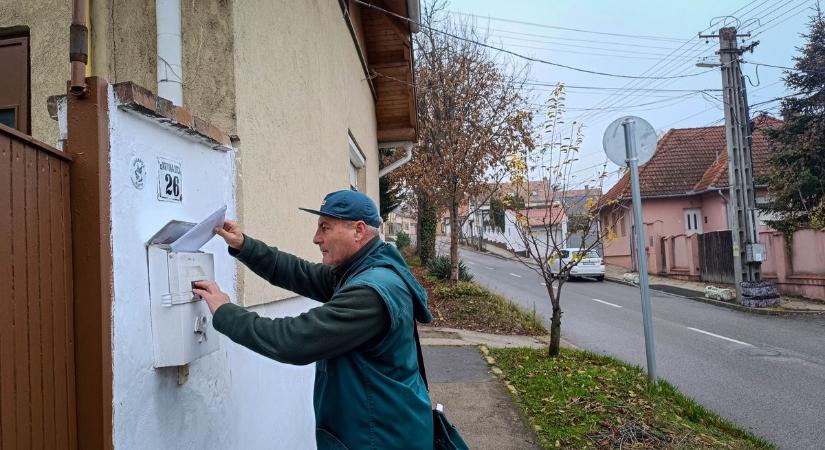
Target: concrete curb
<point x="533" y="428"/>
<point x="454" y="337"/>
<point x="496" y="255"/>
<point x="757" y="311"/>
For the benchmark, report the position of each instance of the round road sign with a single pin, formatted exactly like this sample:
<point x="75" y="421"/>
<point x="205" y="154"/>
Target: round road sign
<point x="644" y="137"/>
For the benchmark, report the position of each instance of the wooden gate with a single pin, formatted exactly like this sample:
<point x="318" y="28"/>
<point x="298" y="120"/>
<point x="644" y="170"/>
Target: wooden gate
<point x="37" y="371"/>
<point x="716" y="256"/>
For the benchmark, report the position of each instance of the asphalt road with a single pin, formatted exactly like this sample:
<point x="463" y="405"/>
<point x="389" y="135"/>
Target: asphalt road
<point x="764" y="373"/>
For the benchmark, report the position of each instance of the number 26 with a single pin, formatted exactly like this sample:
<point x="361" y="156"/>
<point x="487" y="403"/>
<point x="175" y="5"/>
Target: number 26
<point x="172" y="185"/>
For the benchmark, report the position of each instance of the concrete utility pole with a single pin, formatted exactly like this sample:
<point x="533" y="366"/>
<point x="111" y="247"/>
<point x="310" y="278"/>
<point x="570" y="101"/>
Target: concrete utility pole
<point x="747" y="252"/>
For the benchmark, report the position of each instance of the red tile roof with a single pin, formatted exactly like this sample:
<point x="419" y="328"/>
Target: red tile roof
<point x="543" y="216"/>
<point x="691" y="160"/>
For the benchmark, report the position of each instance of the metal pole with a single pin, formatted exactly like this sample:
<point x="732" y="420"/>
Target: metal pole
<point x="641" y="255"/>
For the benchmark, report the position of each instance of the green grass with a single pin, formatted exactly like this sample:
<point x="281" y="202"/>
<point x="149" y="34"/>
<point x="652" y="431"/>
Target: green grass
<point x="469" y="306"/>
<point x="582" y="400"/>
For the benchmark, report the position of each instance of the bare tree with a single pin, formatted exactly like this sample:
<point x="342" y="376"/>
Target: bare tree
<point x="542" y="231"/>
<point x="472" y="116"/>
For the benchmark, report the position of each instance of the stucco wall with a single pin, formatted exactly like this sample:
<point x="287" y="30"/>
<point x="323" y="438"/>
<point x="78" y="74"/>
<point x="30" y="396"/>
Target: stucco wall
<point x="715" y="209"/>
<point x="48" y="22"/>
<point x="123" y="48"/>
<point x="299" y="89"/>
<point x="662" y="217"/>
<point x="233" y="398"/>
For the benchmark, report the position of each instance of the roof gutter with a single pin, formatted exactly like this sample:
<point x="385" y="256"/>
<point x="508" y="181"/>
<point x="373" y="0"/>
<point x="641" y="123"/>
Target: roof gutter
<point x="414" y="14"/>
<point x="407" y="145"/>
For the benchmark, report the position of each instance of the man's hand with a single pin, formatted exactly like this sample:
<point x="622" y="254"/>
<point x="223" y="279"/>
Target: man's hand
<point x="211" y="293"/>
<point x="231" y="233"/>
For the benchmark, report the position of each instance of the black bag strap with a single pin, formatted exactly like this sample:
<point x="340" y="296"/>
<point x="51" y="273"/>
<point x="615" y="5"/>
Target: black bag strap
<point x="420" y="356"/>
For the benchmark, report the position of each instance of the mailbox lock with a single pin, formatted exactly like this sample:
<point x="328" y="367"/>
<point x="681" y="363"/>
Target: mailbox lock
<point x="201" y="325"/>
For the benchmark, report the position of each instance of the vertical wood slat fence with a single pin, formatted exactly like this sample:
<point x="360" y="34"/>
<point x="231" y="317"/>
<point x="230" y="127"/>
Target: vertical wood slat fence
<point x="37" y="406"/>
<point x="716" y="256"/>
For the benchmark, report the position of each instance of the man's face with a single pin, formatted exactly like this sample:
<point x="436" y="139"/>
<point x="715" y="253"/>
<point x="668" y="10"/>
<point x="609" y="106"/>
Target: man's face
<point x="338" y="239"/>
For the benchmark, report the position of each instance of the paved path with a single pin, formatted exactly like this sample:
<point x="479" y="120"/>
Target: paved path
<point x="766" y="374"/>
<point x="474" y="400"/>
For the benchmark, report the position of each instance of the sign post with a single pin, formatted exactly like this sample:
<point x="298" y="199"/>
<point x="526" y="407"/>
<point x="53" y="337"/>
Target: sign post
<point x="630" y="147"/>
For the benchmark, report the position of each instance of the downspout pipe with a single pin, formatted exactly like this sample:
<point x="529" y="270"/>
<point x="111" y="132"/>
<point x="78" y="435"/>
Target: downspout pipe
<point x="170" y="69"/>
<point x="78" y="48"/>
<point x="414" y="13"/>
<point x="401" y="161"/>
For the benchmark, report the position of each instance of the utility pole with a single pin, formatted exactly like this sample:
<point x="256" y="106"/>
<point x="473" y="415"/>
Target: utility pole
<point x="748" y="254"/>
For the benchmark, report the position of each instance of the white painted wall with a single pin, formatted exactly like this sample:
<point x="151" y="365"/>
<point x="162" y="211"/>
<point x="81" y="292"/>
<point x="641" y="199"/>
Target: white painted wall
<point x="510" y="237"/>
<point x="233" y="399"/>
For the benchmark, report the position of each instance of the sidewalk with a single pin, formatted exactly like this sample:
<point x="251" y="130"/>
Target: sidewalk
<point x="696" y="290"/>
<point x="474" y="400"/>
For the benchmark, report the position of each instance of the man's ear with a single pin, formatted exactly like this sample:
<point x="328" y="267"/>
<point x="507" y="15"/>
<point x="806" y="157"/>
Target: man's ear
<point x="360" y="230"/>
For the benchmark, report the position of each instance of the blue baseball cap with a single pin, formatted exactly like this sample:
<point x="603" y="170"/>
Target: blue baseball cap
<point x="348" y="205"/>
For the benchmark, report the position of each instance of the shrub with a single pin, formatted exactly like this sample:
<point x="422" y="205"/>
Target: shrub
<point x="402" y="241"/>
<point x="462" y="289"/>
<point x="440" y="267"/>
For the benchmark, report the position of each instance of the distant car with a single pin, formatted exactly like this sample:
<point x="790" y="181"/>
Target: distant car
<point x="585" y="264"/>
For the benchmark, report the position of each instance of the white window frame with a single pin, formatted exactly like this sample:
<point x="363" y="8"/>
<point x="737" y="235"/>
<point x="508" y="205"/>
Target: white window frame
<point x="693" y="220"/>
<point x="357" y="162"/>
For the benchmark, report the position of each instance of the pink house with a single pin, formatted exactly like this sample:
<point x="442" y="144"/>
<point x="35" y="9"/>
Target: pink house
<point x="684" y="189"/>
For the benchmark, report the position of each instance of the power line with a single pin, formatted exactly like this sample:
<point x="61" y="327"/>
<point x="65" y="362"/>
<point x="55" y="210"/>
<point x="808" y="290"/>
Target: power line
<point x="588" y="47"/>
<point x="669" y="61"/>
<point x="678" y="97"/>
<point x="524" y="57"/>
<point x="556" y="27"/>
<point x="579" y="52"/>
<point x="775" y="99"/>
<point x="799" y="7"/>
<point x="794" y="69"/>
<point x="551" y="38"/>
<point x="615" y="53"/>
<point x="780" y="22"/>
<point x="606" y="88"/>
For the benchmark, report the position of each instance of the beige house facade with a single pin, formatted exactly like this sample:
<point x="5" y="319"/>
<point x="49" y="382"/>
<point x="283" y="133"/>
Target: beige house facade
<point x="260" y="106"/>
<point x="309" y="91"/>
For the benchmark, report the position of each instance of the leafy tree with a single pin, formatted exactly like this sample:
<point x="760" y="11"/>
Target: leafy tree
<point x="402" y="241"/>
<point x="797" y="179"/>
<point x="541" y="230"/>
<point x="389" y="196"/>
<point x="497" y="213"/>
<point x="471" y="114"/>
<point x="514" y="202"/>
<point x="425" y="228"/>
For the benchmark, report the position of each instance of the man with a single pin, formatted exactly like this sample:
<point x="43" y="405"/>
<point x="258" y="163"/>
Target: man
<point x="368" y="391"/>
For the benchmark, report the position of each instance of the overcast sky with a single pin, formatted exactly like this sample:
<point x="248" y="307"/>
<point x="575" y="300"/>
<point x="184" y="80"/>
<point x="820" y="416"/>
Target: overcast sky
<point x="641" y="37"/>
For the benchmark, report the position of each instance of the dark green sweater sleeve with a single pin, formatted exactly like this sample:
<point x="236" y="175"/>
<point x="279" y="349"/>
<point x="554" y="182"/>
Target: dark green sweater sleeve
<point x="302" y="277"/>
<point x="351" y="318"/>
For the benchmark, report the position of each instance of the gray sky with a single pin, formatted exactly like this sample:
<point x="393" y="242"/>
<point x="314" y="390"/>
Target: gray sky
<point x="662" y="41"/>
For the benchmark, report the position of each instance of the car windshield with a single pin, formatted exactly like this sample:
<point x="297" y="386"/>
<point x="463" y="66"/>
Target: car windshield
<point x="584" y="255"/>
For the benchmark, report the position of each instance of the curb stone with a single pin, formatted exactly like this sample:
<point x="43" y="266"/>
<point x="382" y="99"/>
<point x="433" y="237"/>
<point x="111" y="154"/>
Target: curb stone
<point x="511" y="389"/>
<point x="757" y="311"/>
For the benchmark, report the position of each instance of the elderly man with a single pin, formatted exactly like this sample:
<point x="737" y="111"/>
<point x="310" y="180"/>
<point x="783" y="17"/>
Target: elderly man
<point x="368" y="391"/>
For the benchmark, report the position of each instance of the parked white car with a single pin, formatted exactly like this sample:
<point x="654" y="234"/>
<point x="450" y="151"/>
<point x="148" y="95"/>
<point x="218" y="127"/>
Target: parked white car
<point x="585" y="264"/>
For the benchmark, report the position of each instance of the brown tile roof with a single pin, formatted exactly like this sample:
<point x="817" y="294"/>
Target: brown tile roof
<point x="543" y="216"/>
<point x="691" y="160"/>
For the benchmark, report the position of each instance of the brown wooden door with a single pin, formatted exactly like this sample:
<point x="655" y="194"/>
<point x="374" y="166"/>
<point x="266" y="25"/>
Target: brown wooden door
<point x="37" y="371"/>
<point x="14" y="83"/>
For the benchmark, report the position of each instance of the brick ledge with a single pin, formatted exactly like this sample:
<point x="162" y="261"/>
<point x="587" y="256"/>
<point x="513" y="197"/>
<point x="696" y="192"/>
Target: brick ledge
<point x="137" y="98"/>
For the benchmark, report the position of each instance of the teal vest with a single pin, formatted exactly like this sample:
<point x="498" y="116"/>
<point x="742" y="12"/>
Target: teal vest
<point x="374" y="398"/>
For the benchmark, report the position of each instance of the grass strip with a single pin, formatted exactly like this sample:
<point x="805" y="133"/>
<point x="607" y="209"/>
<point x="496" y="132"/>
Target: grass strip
<point x="583" y="400"/>
<point x="469" y="306"/>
